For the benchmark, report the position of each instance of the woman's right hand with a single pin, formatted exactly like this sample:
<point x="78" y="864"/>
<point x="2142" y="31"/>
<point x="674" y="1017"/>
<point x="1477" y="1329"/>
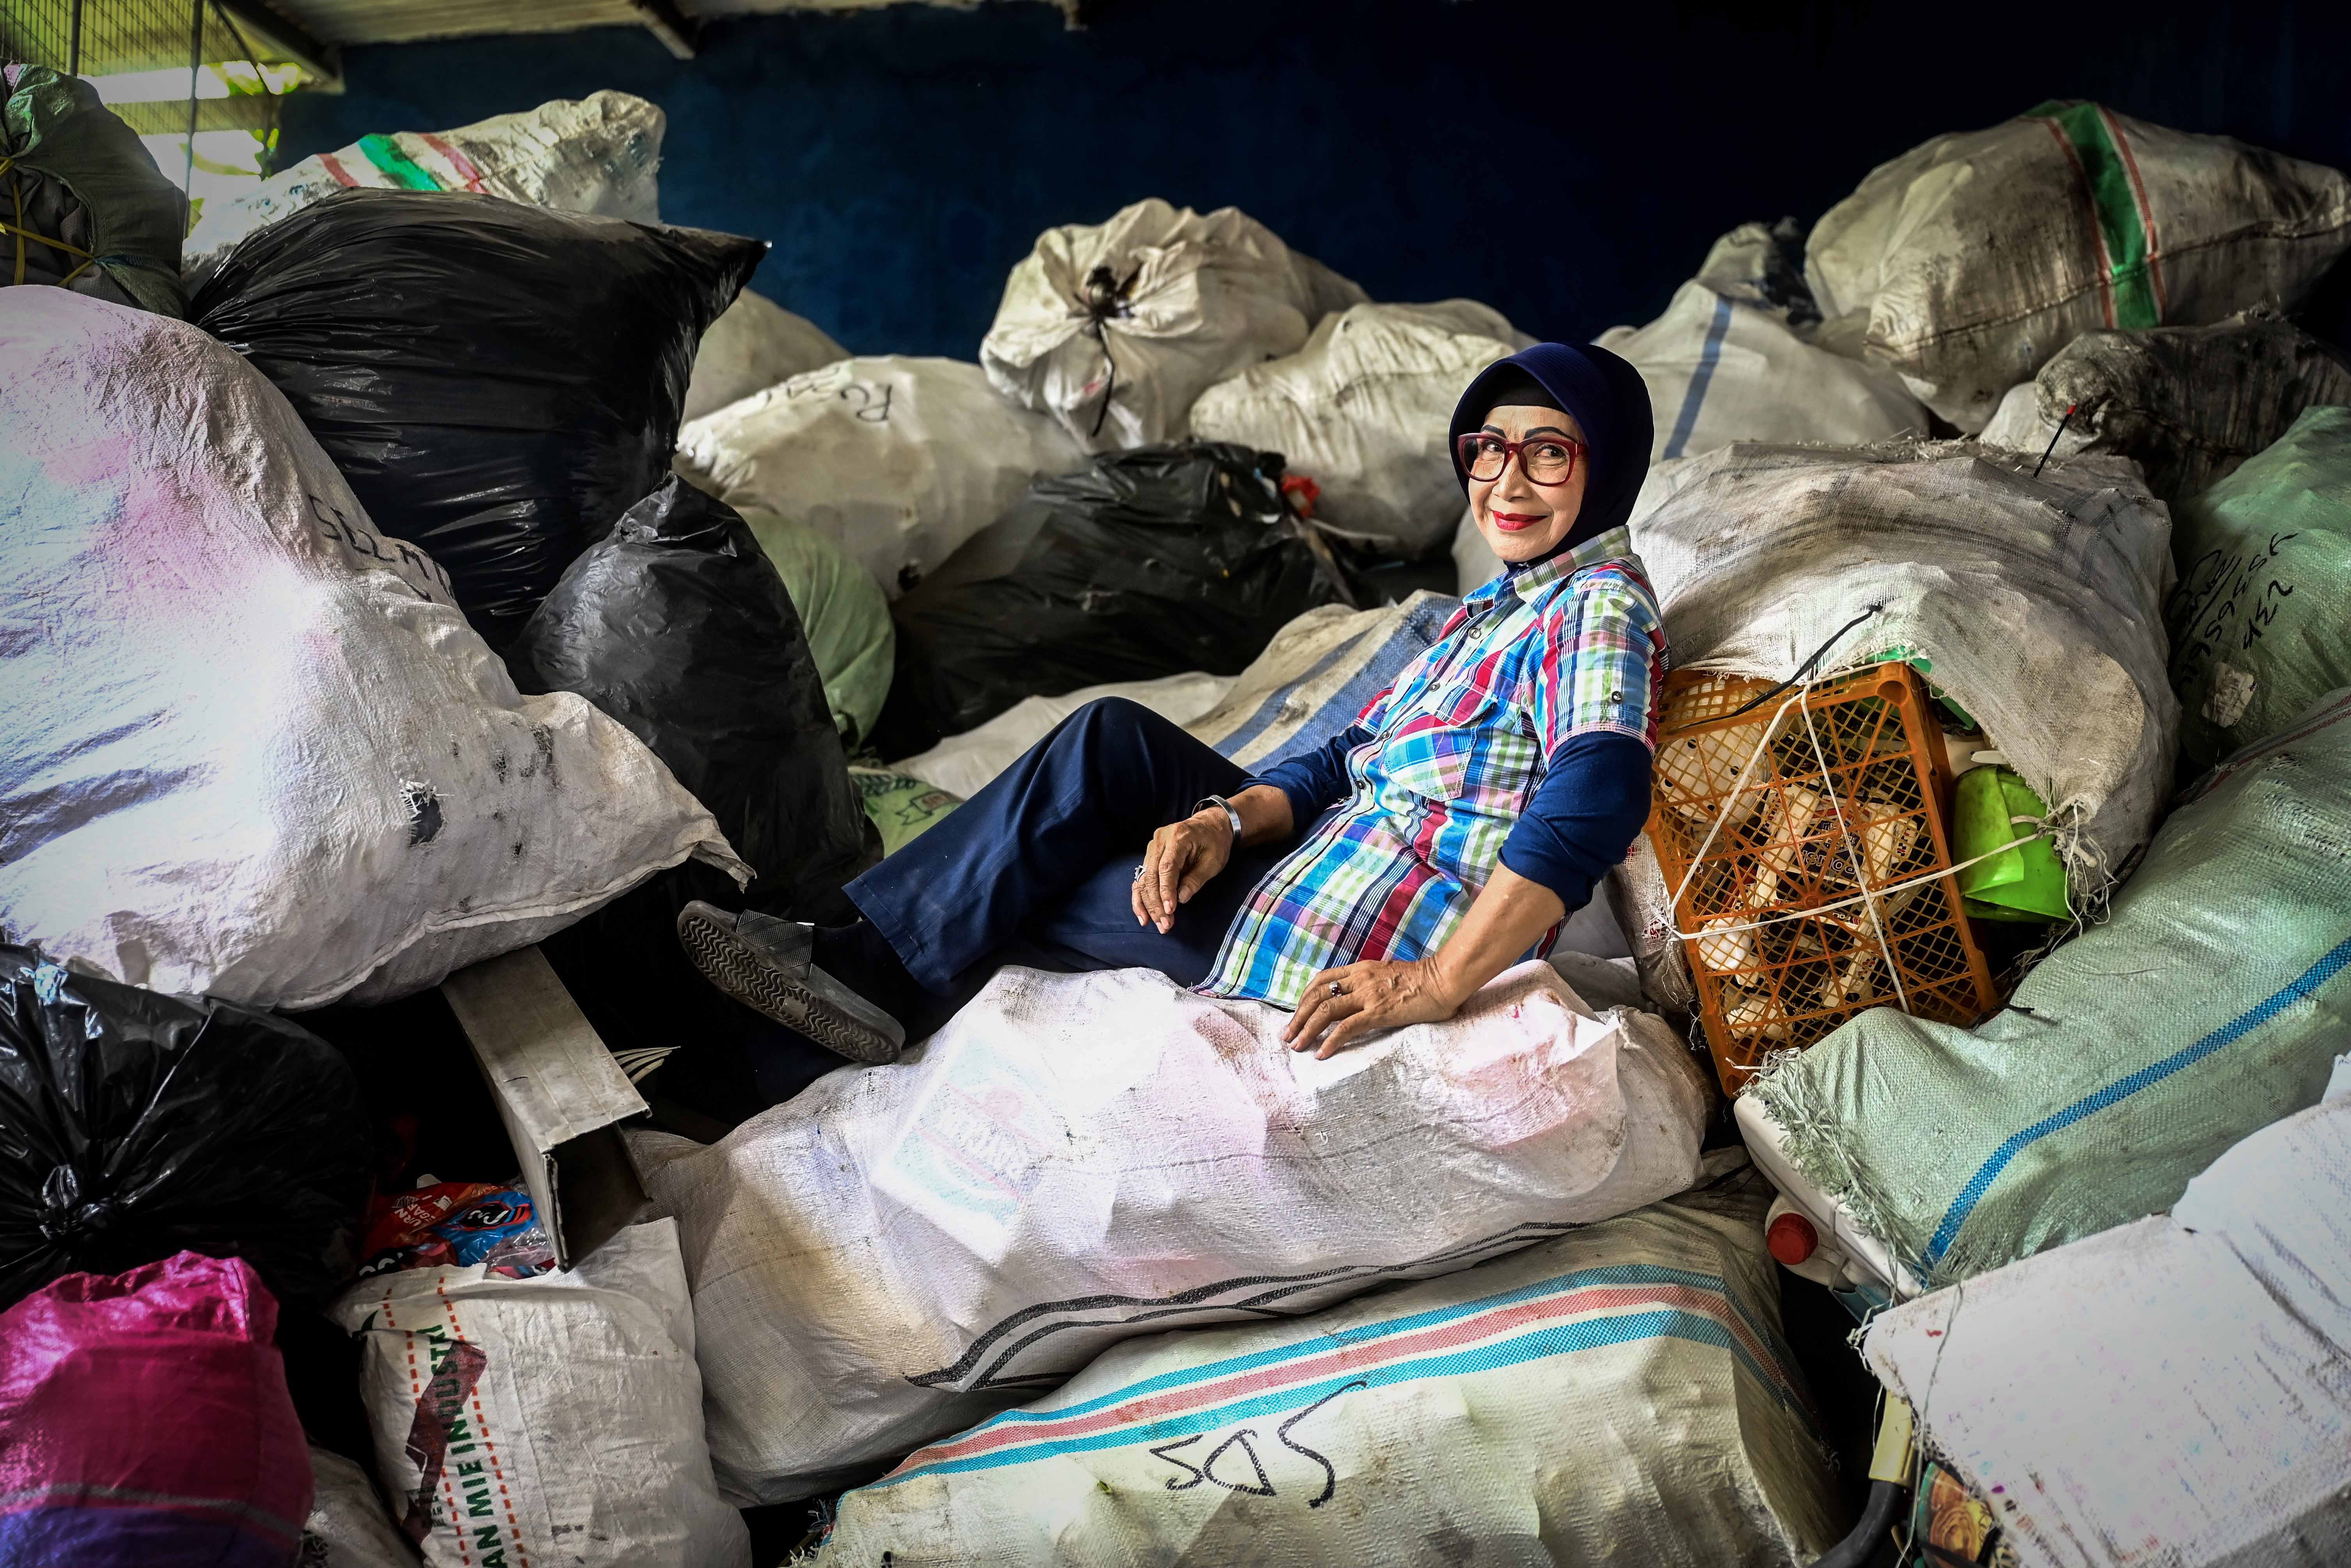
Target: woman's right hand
<point x="1183" y="856"/>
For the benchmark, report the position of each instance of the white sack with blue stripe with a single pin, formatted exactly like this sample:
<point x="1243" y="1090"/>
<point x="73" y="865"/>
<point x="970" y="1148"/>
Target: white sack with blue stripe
<point x="2194" y="1408"/>
<point x="1077" y="1159"/>
<point x="2209" y="1004"/>
<point x="1731" y="359"/>
<point x="1619" y="1395"/>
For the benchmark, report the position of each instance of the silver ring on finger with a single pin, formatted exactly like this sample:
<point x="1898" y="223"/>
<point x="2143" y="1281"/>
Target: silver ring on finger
<point x="1337" y="989"/>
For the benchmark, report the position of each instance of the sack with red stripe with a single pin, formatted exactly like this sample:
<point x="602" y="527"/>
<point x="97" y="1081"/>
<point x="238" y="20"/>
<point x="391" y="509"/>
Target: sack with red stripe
<point x="1618" y="1395"/>
<point x="597" y="154"/>
<point x="1966" y="262"/>
<point x="526" y="1423"/>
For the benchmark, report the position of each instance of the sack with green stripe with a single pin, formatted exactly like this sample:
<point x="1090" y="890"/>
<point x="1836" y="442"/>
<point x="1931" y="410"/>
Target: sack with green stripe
<point x="2210" y="1004"/>
<point x="1966" y="264"/>
<point x="2259" y="621"/>
<point x="1620" y="1395"/>
<point x="596" y="154"/>
<point x="82" y="203"/>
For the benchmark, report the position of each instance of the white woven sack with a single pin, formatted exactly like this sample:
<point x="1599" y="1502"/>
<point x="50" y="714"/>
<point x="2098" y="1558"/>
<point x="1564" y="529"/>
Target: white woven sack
<point x="252" y="747"/>
<point x="1721" y="368"/>
<point x="555" y="1419"/>
<point x="1316" y="675"/>
<point x="2036" y="604"/>
<point x="1967" y="262"/>
<point x="1076" y="1159"/>
<point x="2203" y="1420"/>
<point x="965" y="764"/>
<point x="597" y="154"/>
<point x="1516" y="1413"/>
<point x="1363" y="410"/>
<point x="1197" y="300"/>
<point x="348" y="1527"/>
<point x="754" y="344"/>
<point x="897" y="460"/>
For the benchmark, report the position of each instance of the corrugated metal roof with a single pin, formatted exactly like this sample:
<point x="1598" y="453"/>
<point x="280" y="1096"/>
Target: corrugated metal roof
<point x="406" y="21"/>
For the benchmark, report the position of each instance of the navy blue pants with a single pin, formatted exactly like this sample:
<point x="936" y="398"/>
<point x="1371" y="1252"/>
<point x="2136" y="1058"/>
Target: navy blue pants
<point x="1036" y="868"/>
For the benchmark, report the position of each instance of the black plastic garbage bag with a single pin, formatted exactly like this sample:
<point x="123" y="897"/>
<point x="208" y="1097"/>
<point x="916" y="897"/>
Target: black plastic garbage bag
<point x="87" y="208"/>
<point x="1147" y="563"/>
<point x="134" y="1125"/>
<point x="498" y="382"/>
<point x="678" y="625"/>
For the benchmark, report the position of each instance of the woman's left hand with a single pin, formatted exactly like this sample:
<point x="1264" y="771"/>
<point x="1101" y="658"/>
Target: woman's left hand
<point x="1369" y="995"/>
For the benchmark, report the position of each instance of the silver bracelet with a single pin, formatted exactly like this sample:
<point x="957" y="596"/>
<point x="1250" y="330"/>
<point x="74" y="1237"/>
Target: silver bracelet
<point x="1231" y="814"/>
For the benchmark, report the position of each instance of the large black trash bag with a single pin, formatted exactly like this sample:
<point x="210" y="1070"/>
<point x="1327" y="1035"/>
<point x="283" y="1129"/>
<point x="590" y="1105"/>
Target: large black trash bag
<point x="134" y="1125"/>
<point x="498" y="382"/>
<point x="678" y="625"/>
<point x="1147" y="562"/>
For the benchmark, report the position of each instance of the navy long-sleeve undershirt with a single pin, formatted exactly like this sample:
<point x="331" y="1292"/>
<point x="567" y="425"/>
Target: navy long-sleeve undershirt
<point x="1593" y="799"/>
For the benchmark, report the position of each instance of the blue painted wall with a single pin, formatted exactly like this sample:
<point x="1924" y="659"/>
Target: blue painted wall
<point x="1568" y="165"/>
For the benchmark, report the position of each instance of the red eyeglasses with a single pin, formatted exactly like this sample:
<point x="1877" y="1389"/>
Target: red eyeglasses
<point x="1547" y="460"/>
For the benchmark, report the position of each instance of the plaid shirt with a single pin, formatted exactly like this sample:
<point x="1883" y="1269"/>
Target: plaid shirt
<point x="1459" y="742"/>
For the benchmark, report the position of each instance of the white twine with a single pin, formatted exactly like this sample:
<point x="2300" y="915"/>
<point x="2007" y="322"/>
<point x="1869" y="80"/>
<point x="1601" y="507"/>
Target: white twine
<point x="1868" y="895"/>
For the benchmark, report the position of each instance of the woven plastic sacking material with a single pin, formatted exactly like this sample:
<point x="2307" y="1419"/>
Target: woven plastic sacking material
<point x="2036" y="604"/>
<point x="1078" y="1159"/>
<point x="1515" y="1406"/>
<point x="2209" y="1004"/>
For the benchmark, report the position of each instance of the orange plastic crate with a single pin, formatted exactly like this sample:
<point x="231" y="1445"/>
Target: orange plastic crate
<point x="1778" y="849"/>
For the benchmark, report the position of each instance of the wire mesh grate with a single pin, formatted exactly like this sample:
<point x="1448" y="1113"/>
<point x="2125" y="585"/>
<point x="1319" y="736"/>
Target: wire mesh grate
<point x="1784" y="828"/>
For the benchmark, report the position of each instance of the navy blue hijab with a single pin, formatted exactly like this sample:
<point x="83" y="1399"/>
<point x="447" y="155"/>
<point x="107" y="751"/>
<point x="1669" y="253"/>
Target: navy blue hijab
<point x="1609" y="402"/>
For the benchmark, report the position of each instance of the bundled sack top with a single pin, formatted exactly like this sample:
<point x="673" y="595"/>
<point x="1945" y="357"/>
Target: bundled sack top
<point x="598" y="154"/>
<point x="1152" y="562"/>
<point x="83" y="203"/>
<point x="264" y="756"/>
<point x="1117" y="329"/>
<point x="134" y="1125"/>
<point x="498" y="382"/>
<point x="1966" y="262"/>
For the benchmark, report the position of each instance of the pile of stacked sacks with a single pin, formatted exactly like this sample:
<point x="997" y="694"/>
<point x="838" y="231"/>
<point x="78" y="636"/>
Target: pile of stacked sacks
<point x="422" y="689"/>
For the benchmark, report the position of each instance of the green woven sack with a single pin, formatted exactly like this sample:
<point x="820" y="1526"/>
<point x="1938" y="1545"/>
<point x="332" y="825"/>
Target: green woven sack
<point x="2211" y="1003"/>
<point x="81" y="201"/>
<point x="2260" y="623"/>
<point x="844" y="612"/>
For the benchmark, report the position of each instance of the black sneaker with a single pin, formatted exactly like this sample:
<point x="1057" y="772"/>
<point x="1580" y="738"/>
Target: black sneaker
<point x="764" y="964"/>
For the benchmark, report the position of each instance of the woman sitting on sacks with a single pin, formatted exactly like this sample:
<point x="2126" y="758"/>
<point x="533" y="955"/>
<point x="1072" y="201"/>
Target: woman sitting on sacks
<point x="1379" y="881"/>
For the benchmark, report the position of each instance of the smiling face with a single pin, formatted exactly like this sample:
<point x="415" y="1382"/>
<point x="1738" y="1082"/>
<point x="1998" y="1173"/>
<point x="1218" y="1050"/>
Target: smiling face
<point x="1521" y="519"/>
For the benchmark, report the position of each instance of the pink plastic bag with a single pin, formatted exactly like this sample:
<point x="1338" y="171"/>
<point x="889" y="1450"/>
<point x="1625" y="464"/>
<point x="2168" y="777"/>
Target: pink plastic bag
<point x="144" y="1418"/>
